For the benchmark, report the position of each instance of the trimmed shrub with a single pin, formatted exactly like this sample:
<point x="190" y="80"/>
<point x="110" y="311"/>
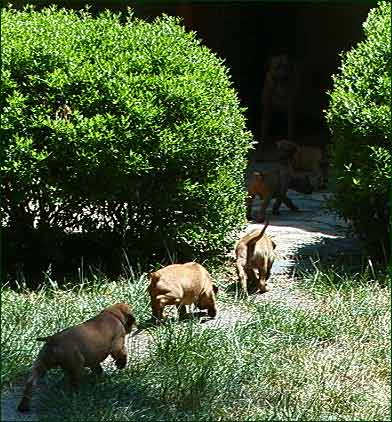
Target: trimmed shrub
<point x="359" y="117"/>
<point x="113" y="125"/>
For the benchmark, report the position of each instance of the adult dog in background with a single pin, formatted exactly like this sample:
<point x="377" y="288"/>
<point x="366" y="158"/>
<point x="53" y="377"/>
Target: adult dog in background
<point x="279" y="93"/>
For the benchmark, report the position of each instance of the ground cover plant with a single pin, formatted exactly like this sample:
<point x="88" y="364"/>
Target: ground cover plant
<point x="126" y="131"/>
<point x="330" y="360"/>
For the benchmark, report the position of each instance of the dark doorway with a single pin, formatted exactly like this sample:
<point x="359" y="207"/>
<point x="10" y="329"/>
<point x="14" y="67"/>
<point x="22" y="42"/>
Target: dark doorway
<point x="247" y="35"/>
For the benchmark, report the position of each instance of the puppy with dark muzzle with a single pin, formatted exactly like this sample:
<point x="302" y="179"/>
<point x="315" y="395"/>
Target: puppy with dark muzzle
<point x="83" y="345"/>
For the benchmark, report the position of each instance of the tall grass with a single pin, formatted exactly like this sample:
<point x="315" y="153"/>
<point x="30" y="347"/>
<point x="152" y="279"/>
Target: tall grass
<point x="329" y="362"/>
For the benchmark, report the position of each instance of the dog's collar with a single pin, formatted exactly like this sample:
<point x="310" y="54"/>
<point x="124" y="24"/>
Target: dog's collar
<point x="122" y="322"/>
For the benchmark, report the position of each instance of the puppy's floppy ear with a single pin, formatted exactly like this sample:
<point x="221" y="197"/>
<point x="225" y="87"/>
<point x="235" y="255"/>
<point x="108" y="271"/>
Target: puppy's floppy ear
<point x="153" y="275"/>
<point x="215" y="288"/>
<point x="124" y="313"/>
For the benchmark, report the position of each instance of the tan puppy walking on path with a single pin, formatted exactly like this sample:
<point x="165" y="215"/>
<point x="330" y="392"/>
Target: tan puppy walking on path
<point x="83" y="345"/>
<point x="255" y="252"/>
<point x="269" y="185"/>
<point x="180" y="285"/>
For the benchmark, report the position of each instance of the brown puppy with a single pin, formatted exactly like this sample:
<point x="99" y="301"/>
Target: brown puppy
<point x="255" y="251"/>
<point x="279" y="93"/>
<point x="302" y="159"/>
<point x="269" y="185"/>
<point x="83" y="345"/>
<point x="180" y="285"/>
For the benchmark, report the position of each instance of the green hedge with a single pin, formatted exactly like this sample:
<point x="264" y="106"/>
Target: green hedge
<point x="359" y="117"/>
<point x="153" y="147"/>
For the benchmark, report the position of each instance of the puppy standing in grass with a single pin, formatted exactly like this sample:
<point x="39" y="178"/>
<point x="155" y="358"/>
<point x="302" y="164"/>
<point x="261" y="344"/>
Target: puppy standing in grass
<point x="180" y="285"/>
<point x="84" y="345"/>
<point x="255" y="251"/>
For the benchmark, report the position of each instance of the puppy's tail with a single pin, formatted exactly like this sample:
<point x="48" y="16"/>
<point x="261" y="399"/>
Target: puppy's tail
<point x="254" y="239"/>
<point x="46" y="339"/>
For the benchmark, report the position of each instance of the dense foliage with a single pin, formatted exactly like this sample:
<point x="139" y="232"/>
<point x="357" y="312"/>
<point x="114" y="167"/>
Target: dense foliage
<point x="359" y="117"/>
<point x="113" y="126"/>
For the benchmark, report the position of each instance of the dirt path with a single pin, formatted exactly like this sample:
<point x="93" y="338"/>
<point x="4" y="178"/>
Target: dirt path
<point x="299" y="236"/>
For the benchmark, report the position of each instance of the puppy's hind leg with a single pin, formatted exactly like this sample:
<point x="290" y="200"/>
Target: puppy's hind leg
<point x="269" y="266"/>
<point x="75" y="376"/>
<point x="242" y="276"/>
<point x="263" y="275"/>
<point x="73" y="365"/>
<point x="37" y="372"/>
